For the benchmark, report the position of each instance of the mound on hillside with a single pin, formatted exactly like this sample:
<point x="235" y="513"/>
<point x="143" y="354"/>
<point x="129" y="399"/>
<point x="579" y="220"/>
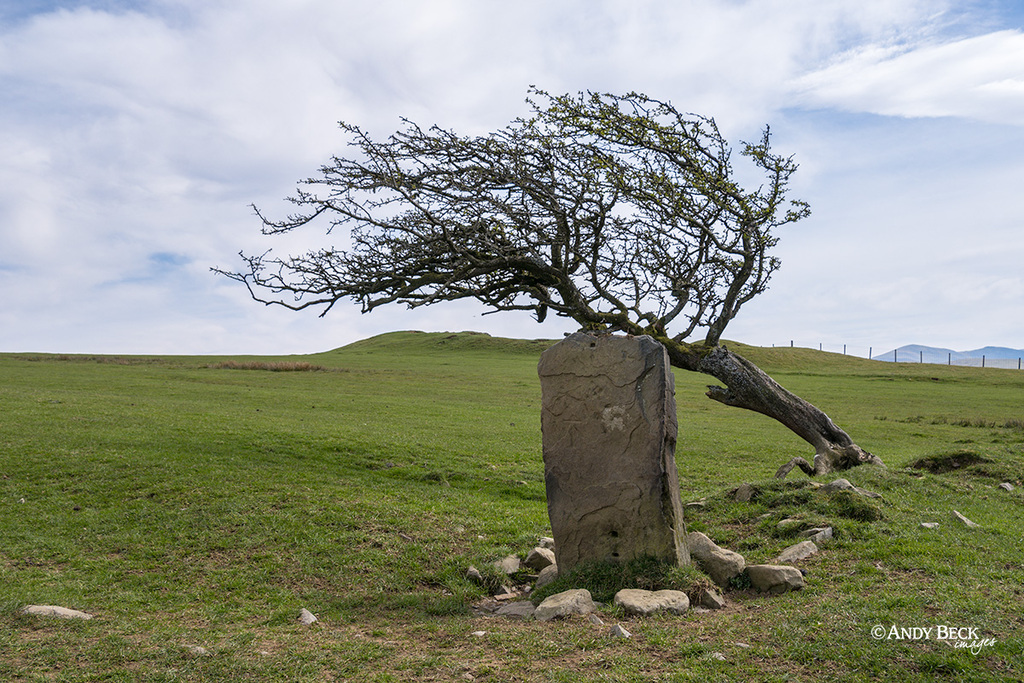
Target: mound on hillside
<point x="411" y="341"/>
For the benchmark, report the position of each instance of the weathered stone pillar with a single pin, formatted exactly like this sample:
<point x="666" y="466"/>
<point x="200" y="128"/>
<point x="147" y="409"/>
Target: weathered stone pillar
<point x="608" y="416"/>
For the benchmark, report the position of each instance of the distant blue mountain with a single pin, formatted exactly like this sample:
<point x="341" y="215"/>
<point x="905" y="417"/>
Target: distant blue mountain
<point x="916" y="353"/>
<point x="995" y="352"/>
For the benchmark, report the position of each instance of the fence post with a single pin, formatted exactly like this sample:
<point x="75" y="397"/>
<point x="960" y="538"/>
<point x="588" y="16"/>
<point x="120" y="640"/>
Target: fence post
<point x="894" y="356"/>
<point x="922" y="357"/>
<point x="949" y="361"/>
<point x="983" y="360"/>
<point x="844" y="349"/>
<point x="870" y="349"/>
<point x="819" y="346"/>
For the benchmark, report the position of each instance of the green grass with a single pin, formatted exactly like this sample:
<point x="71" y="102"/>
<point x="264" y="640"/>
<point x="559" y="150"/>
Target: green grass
<point x="205" y="501"/>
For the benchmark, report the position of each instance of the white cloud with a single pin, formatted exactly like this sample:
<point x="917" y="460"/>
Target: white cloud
<point x="980" y="77"/>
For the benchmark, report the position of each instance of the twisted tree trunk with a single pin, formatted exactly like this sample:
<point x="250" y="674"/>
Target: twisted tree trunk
<point x="747" y="386"/>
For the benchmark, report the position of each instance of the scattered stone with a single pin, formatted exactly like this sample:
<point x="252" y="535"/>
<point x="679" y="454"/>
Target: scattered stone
<point x="509" y="565"/>
<point x="930" y="525"/>
<point x="538" y="558"/>
<point x="197" y="650"/>
<point x="1006" y="486"/>
<point x="642" y="603"/>
<point x="547" y="542"/>
<point x="485" y="607"/>
<point x="696" y="503"/>
<point x="306" y="617"/>
<point x="54" y="611"/>
<point x="769" y="578"/>
<point x="505" y="593"/>
<point x="522" y="609"/>
<point x="963" y="520"/>
<point x="795" y="553"/>
<point x="478" y="634"/>
<point x="817" y="534"/>
<point x="717" y="656"/>
<point x="744" y="493"/>
<point x="742" y="645"/>
<point x="564" y="604"/>
<point x="595" y="620"/>
<point x="711" y="599"/>
<point x="718" y="563"/>
<point x="608" y="418"/>
<point x="546" y="576"/>
<point x="473" y="574"/>
<point x="845" y="485"/>
<point x="789" y="523"/>
<point x="619" y="631"/>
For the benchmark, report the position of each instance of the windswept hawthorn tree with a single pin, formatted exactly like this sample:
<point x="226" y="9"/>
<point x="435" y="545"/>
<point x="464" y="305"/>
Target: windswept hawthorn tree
<point x="619" y="212"/>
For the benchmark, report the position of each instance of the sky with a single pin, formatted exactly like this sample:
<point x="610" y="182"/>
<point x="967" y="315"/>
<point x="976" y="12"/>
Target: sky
<point x="136" y="135"/>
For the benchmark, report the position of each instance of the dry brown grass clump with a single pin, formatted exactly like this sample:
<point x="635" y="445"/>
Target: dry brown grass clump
<point x="280" y="366"/>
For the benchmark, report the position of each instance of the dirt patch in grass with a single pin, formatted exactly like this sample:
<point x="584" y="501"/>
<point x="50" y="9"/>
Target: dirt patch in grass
<point x="949" y="462"/>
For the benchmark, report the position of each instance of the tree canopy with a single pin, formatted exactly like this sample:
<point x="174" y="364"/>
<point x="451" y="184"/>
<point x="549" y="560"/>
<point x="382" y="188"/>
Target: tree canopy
<point x="619" y="212"/>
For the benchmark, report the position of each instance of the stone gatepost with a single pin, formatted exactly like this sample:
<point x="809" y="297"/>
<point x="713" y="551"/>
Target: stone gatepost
<point x="608" y="415"/>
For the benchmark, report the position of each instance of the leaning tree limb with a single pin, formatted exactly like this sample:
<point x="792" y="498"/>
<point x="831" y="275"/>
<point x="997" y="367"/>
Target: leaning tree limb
<point x="749" y="387"/>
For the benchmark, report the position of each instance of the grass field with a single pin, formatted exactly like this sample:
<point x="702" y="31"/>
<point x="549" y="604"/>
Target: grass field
<point x="199" y="501"/>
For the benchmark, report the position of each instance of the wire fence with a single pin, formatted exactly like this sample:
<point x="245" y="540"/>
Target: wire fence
<point x="929" y="356"/>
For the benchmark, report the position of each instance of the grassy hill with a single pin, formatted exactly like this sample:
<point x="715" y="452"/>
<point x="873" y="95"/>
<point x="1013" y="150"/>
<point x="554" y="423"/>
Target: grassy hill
<point x="201" y="501"/>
